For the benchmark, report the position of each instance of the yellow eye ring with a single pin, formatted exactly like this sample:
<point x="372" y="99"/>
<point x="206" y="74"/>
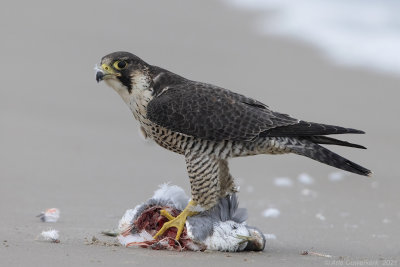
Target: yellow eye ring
<point x="120" y="64"/>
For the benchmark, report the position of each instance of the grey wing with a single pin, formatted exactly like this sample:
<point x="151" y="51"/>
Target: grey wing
<point x="213" y="113"/>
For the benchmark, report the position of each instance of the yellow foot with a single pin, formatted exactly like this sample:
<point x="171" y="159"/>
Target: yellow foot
<point x="178" y="222"/>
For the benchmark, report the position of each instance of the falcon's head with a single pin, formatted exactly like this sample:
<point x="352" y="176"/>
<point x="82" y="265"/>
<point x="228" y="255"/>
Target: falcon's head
<point x="124" y="72"/>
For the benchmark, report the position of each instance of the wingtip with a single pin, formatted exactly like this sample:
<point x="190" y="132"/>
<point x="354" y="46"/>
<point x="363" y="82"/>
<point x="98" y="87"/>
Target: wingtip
<point x="359" y="146"/>
<point x="355" y="131"/>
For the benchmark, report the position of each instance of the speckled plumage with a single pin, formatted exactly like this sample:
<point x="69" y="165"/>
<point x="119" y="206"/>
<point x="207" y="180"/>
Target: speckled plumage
<point x="209" y="124"/>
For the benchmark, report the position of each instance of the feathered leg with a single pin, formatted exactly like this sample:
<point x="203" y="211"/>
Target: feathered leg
<point x="226" y="180"/>
<point x="203" y="173"/>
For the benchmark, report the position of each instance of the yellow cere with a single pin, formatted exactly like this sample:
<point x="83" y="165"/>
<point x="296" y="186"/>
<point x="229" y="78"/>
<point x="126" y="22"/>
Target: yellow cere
<point x="106" y="67"/>
<point x="109" y="70"/>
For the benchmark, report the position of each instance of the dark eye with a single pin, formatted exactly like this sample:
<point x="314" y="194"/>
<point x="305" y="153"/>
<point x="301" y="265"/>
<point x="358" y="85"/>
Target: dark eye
<point x="119" y="65"/>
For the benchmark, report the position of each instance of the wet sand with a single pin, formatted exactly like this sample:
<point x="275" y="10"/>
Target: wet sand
<point x="70" y="143"/>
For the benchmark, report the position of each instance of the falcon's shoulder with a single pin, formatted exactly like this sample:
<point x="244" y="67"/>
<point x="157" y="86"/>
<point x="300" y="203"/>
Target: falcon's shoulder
<point x="212" y="113"/>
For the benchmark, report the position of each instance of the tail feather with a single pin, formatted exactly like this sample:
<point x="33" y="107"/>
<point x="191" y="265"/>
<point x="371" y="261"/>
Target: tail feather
<point x="304" y="128"/>
<point x="332" y="141"/>
<point x="323" y="155"/>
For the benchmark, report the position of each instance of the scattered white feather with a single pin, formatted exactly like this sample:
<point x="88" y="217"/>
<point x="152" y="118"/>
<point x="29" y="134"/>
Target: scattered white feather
<point x="309" y="193"/>
<point x="320" y="216"/>
<point x="386" y="221"/>
<point x="283" y="182"/>
<point x="271" y="213"/>
<point x="304" y="178"/>
<point x="270" y="236"/>
<point x="51" y="235"/>
<point x="50" y="215"/>
<point x="336" y="176"/>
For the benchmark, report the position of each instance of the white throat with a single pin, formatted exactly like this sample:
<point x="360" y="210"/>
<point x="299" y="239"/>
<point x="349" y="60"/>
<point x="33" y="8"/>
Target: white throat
<point x="121" y="89"/>
<point x="138" y="98"/>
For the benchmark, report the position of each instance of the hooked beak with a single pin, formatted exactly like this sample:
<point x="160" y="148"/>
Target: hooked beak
<point x="105" y="72"/>
<point x="99" y="76"/>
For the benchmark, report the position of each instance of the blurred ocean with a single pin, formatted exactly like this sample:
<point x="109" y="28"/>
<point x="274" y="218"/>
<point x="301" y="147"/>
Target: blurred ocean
<point x="360" y="33"/>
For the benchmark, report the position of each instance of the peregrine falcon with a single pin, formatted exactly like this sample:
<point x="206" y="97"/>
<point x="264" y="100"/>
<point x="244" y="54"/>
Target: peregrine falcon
<point x="209" y="125"/>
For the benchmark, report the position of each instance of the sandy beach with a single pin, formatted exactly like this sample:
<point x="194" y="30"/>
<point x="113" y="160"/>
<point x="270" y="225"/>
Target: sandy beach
<point x="70" y="143"/>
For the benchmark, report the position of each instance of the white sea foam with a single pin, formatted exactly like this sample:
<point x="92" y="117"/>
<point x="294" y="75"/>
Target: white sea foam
<point x="362" y="33"/>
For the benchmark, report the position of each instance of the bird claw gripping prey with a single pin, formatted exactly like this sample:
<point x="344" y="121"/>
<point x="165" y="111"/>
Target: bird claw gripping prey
<point x="178" y="222"/>
<point x="222" y="228"/>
